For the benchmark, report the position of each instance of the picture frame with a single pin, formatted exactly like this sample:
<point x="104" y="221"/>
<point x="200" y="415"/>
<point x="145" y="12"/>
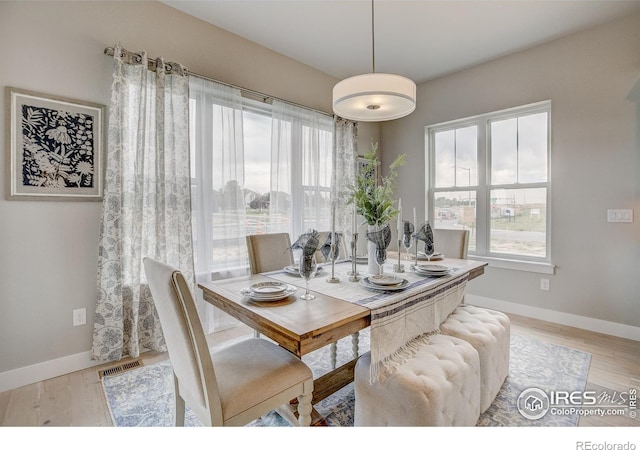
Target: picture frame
<point x="363" y="167"/>
<point x="55" y="147"/>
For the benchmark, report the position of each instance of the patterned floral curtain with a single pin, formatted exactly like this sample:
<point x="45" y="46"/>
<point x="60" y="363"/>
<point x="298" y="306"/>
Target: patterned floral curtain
<point x="146" y="209"/>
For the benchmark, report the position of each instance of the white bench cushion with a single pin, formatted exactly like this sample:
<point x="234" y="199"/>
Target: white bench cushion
<point x="489" y="333"/>
<point x="438" y="386"/>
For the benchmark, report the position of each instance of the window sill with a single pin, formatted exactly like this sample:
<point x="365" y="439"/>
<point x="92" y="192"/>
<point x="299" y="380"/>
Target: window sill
<point x="513" y="264"/>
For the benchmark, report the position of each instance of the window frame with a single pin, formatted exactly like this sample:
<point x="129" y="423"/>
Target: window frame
<point x="483" y="186"/>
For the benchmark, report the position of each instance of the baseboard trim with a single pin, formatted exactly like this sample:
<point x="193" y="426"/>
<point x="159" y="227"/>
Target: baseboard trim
<point x="572" y="320"/>
<point x="35" y="373"/>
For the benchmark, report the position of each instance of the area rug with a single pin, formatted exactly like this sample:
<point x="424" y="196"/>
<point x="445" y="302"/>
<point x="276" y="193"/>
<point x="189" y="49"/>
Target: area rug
<point x="143" y="397"/>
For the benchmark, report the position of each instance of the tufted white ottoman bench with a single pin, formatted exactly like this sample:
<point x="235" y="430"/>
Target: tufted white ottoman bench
<point x="438" y="386"/>
<point x="489" y="333"/>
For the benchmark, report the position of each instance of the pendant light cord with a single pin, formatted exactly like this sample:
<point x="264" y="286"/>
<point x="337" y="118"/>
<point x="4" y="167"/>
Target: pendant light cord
<point x="373" y="40"/>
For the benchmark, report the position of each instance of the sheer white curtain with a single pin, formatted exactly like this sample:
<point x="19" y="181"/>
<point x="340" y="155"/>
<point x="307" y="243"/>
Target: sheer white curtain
<point x="345" y="166"/>
<point x="217" y="171"/>
<point x="301" y="169"/>
<point x="146" y="209"/>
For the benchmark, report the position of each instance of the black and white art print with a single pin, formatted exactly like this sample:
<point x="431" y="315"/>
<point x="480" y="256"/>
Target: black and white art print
<point x="55" y="147"/>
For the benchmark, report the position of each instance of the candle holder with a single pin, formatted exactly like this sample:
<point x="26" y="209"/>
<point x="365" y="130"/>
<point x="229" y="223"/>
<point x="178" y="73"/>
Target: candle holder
<point x="332" y="255"/>
<point x="354" y="275"/>
<point x="399" y="268"/>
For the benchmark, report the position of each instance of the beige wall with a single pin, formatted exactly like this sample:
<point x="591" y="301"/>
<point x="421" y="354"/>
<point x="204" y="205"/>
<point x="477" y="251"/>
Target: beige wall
<point x="595" y="164"/>
<point x="48" y="256"/>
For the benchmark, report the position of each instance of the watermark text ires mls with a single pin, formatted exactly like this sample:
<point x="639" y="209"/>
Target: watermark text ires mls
<point x="534" y="403"/>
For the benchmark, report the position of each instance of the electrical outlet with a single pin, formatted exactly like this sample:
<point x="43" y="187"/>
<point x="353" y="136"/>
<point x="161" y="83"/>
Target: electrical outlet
<point x="544" y="284"/>
<point x="79" y="317"/>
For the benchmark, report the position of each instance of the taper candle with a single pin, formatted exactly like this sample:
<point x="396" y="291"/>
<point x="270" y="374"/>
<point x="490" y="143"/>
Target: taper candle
<point x="399" y="217"/>
<point x="333" y="222"/>
<point x="355" y="219"/>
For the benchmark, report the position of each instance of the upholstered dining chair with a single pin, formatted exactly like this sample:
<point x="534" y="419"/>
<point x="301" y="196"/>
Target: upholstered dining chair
<point x="453" y="243"/>
<point x="272" y="251"/>
<point x="229" y="387"/>
<point x="267" y="252"/>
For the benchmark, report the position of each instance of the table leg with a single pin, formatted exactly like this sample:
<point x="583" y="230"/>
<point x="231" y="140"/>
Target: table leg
<point x="355" y="343"/>
<point x="334" y="354"/>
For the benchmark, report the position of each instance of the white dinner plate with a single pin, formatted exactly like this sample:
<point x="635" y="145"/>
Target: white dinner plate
<point x="395" y="287"/>
<point x="268" y="288"/>
<point x="426" y="273"/>
<point x="247" y="292"/>
<point x="432" y="268"/>
<point x="385" y="280"/>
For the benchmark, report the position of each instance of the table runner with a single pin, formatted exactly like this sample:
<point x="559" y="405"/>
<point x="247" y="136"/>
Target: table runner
<point x="400" y="320"/>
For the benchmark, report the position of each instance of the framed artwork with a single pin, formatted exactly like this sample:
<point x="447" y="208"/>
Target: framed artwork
<point x="367" y="169"/>
<point x="55" y="147"/>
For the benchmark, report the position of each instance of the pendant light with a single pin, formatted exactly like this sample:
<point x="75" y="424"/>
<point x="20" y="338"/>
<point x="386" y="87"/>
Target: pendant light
<point x="374" y="97"/>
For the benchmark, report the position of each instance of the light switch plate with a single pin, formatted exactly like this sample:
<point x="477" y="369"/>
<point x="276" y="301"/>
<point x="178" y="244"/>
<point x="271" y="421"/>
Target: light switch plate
<point x="620" y="215"/>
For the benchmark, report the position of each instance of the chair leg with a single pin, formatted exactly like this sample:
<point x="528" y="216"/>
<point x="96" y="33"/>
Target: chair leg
<point x="256" y="334"/>
<point x="180" y="405"/>
<point x="304" y="410"/>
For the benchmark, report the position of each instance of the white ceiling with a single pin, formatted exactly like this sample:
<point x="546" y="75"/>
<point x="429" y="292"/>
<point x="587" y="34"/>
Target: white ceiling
<point x="418" y="39"/>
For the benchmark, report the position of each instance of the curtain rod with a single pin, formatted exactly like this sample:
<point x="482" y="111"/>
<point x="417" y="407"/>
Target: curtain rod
<point x="109" y="51"/>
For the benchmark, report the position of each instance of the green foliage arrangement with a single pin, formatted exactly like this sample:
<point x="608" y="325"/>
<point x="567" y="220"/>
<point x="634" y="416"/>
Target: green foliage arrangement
<point x="375" y="202"/>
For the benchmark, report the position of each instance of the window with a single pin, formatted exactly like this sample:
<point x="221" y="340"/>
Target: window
<point x="257" y="164"/>
<point x="253" y="174"/>
<point x="490" y="174"/>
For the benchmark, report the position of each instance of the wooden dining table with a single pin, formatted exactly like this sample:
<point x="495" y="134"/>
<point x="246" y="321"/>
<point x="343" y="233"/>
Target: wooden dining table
<point x="302" y="326"/>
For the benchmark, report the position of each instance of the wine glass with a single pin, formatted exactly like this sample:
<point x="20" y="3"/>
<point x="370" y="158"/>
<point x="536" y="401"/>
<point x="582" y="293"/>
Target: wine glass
<point x="429" y="250"/>
<point x="307" y="269"/>
<point x="408" y="246"/>
<point x="380" y="259"/>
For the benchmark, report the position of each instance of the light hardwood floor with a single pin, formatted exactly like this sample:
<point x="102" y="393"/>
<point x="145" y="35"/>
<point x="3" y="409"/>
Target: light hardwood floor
<point x="77" y="399"/>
